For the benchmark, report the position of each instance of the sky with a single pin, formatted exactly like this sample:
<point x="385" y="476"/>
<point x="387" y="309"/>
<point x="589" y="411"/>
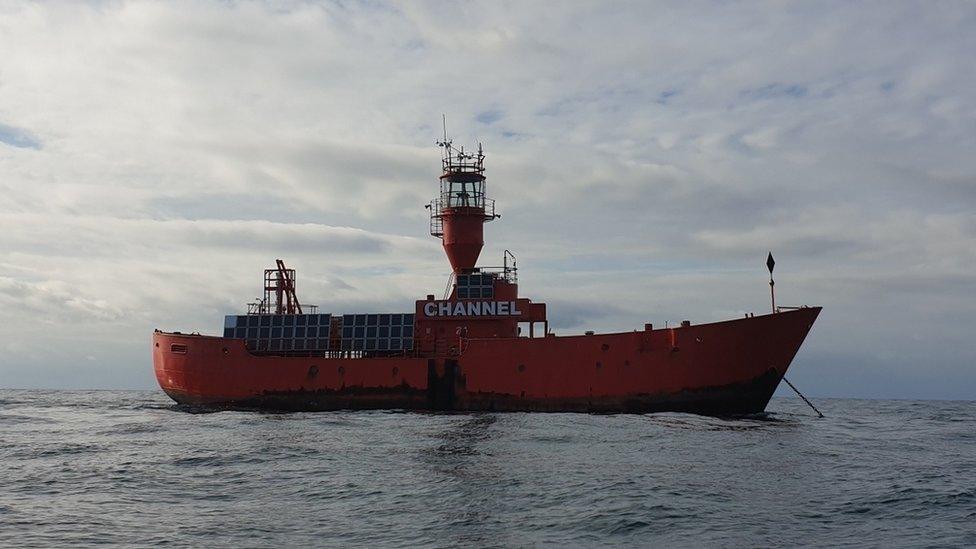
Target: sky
<point x="645" y="156"/>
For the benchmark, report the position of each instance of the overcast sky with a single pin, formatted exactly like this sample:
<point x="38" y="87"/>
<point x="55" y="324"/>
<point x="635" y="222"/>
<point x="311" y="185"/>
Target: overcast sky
<point x="155" y="157"/>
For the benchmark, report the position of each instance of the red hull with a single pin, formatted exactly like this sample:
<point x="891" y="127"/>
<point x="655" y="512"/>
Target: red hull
<point x="729" y="367"/>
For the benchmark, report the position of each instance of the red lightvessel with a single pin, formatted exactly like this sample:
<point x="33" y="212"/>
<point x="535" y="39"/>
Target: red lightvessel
<point x="469" y="351"/>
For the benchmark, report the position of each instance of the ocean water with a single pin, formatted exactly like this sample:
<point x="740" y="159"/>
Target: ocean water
<point x="132" y="469"/>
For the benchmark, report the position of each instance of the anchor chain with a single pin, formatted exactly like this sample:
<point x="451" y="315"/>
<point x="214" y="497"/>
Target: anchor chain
<point x="797" y="391"/>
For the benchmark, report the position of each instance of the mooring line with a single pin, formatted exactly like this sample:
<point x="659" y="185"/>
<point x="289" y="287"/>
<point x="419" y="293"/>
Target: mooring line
<point x="797" y="391"/>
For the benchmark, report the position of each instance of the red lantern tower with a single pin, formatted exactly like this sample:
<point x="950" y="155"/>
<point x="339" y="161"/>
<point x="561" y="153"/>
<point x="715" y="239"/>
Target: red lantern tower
<point x="458" y="216"/>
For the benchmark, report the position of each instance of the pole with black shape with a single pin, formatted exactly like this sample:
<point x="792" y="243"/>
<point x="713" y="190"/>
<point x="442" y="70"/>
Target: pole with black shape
<point x="770" y="263"/>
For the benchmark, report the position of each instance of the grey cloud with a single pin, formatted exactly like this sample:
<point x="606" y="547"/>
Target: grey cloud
<point x="53" y="302"/>
<point x="775" y="90"/>
<point x="489" y="116"/>
<point x="570" y="314"/>
<point x="639" y="156"/>
<point x="340" y="284"/>
<point x="252" y="206"/>
<point x="80" y="236"/>
<point x="286" y="238"/>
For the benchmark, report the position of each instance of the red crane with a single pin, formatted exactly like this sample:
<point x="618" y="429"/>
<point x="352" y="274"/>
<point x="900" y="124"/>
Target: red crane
<point x="281" y="282"/>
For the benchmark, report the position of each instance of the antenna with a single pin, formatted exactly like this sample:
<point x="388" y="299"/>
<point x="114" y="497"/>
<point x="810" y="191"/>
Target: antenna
<point x="445" y="144"/>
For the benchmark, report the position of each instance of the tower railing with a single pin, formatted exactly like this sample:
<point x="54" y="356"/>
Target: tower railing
<point x="436" y="221"/>
<point x="462" y="164"/>
<point x="439" y="205"/>
<point x="506" y="273"/>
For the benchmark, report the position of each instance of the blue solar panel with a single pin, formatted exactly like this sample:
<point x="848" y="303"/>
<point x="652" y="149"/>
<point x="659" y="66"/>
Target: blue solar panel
<point x="377" y="332"/>
<point x="475" y="286"/>
<point x="280" y="332"/>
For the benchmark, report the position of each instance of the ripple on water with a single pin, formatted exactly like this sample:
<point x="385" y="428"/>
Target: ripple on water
<point x="133" y="469"/>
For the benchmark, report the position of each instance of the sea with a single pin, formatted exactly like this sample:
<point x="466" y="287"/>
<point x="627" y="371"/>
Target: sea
<point x="133" y="469"/>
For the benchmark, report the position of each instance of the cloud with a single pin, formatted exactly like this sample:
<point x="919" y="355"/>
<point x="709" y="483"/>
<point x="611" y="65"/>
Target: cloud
<point x="157" y="158"/>
<point x="575" y="315"/>
<point x="776" y="90"/>
<point x="489" y="117"/>
<point x="53" y="302"/>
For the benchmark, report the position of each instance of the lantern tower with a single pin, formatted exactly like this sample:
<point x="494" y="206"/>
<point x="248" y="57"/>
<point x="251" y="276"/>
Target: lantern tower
<point x="458" y="215"/>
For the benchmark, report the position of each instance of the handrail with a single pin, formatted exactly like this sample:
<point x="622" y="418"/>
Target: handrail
<point x="509" y="274"/>
<point x="438" y="205"/>
<point x="450" y="282"/>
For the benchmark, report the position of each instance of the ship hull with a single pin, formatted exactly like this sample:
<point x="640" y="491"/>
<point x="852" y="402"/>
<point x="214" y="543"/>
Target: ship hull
<point x="722" y="368"/>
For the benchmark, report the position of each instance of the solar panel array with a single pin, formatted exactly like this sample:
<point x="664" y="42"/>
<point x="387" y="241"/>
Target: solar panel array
<point x="377" y="332"/>
<point x="280" y="332"/>
<point x="475" y="286"/>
